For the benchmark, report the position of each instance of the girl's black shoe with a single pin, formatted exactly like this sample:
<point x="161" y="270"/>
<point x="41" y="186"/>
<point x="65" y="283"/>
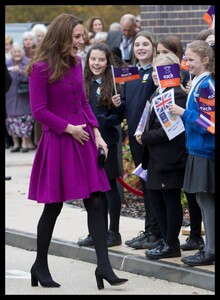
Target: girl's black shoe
<point x="201" y="258"/>
<point x="113" y="239"/>
<point x="163" y="251"/>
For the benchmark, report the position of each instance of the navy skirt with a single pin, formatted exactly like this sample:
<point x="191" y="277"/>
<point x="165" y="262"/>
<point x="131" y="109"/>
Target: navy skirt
<point x="112" y="166"/>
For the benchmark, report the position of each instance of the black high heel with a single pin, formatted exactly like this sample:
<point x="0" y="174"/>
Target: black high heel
<point x="113" y="281"/>
<point x="35" y="277"/>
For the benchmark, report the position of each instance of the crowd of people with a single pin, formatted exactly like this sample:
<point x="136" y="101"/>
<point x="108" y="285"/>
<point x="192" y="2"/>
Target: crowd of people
<point x="63" y="103"/>
<point x="22" y="132"/>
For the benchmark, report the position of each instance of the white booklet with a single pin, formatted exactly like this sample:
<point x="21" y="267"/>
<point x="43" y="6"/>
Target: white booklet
<point x="140" y="172"/>
<point x="172" y="124"/>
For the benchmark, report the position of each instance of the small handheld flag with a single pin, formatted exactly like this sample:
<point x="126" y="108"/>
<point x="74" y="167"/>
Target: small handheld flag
<point x="209" y="17"/>
<point x="204" y="122"/>
<point x="206" y="103"/>
<point x="168" y="75"/>
<point x="183" y="63"/>
<point x="125" y="74"/>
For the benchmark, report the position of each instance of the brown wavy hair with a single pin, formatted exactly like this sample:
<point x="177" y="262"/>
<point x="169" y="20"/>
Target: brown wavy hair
<point x="56" y="46"/>
<point x="107" y="85"/>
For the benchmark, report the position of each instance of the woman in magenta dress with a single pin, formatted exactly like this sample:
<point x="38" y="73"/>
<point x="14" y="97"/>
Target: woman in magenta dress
<point x="65" y="165"/>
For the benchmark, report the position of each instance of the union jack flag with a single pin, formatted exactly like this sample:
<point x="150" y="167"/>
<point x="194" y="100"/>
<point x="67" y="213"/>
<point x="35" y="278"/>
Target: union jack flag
<point x="163" y="101"/>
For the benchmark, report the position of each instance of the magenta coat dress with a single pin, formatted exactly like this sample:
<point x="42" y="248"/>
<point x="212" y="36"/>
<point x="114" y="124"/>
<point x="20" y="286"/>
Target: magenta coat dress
<point x="63" y="169"/>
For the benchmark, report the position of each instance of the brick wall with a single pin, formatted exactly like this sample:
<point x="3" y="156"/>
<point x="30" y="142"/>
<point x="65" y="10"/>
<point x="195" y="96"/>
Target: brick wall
<point x="182" y="20"/>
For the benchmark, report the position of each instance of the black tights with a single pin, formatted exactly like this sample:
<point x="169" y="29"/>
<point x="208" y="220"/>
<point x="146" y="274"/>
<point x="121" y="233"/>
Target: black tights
<point x="96" y="225"/>
<point x="113" y="206"/>
<point x="44" y="234"/>
<point x="97" y="229"/>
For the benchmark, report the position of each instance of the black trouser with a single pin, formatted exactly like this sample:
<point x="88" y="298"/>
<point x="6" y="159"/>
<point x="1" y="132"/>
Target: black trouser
<point x="168" y="210"/>
<point x="151" y="224"/>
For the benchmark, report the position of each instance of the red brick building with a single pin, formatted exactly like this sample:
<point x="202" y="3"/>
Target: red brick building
<point x="183" y="20"/>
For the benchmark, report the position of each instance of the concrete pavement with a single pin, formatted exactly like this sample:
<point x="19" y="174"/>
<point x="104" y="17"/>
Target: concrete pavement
<point x="22" y="217"/>
<point x="77" y="277"/>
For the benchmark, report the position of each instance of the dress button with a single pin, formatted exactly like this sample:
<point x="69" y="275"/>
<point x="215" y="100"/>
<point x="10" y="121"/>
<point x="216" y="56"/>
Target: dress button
<point x="163" y="184"/>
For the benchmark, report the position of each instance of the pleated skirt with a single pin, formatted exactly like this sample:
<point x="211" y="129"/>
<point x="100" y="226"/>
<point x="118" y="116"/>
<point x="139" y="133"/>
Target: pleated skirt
<point x="199" y="175"/>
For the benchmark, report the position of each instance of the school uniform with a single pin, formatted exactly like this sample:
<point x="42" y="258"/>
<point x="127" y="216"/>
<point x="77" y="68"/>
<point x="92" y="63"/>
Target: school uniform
<point x="135" y="95"/>
<point x="200" y="143"/>
<point x="165" y="162"/>
<point x="108" y="120"/>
